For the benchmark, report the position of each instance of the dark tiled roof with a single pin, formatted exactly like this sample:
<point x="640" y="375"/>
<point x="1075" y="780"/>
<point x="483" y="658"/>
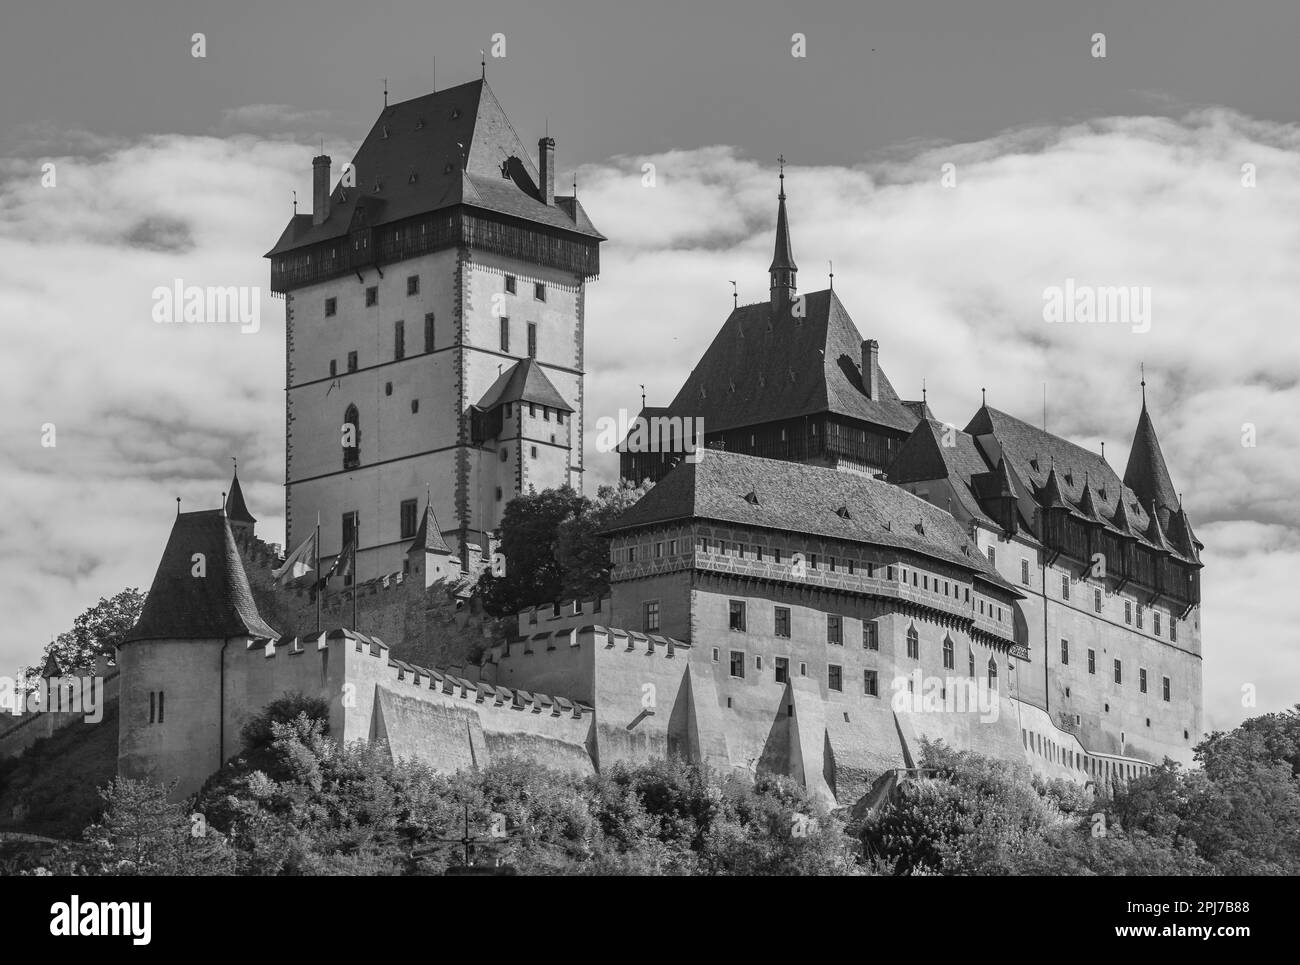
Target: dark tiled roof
<point x="236" y="508"/>
<point x="219" y="604"/>
<point x="524" y="382"/>
<point x="1146" y="473"/>
<point x="761" y="368"/>
<point x="1036" y="456"/>
<point x="429" y="535"/>
<point x="924" y="457"/>
<point x="414" y="154"/>
<point x="798" y="498"/>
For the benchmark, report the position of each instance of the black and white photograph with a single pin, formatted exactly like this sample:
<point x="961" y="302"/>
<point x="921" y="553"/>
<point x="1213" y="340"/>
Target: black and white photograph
<point x="720" y="439"/>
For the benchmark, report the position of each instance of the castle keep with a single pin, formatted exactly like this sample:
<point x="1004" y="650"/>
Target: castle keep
<point x="839" y="575"/>
<point x="434" y="312"/>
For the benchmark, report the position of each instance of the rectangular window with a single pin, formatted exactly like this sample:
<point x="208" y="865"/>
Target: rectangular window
<point x="153" y="707"/>
<point x="803" y="669"/>
<point x="1139" y="617"/>
<point x="870" y="636"/>
<point x="659" y="550"/>
<point x="652" y="616"/>
<point x="835" y="677"/>
<point x="1092" y="661"/>
<point x="331" y="306"/>
<point x="1164" y="686"/>
<point x="334" y="367"/>
<point x="1065" y="651"/>
<point x="532" y="340"/>
<point x="1024" y="572"/>
<point x="737" y="663"/>
<point x="782" y="669"/>
<point x="716" y="655"/>
<point x="1119" y="672"/>
<point x="352" y="361"/>
<point x="993" y="556"/>
<point x="834" y="629"/>
<point x="372" y="295"/>
<point x="428" y="332"/>
<point x="1096" y="600"/>
<point x="1155" y="622"/>
<point x="510" y="284"/>
<point x="782" y="628"/>
<point x="412" y="285"/>
<point x="1142" y="679"/>
<point x="161" y="707"/>
<point x="737" y="615"/>
<point x="539" y="291"/>
<point x="672" y="547"/>
<point x="399" y="340"/>
<point x="505" y="334"/>
<point x="1128" y="611"/>
<point x="1065" y="586"/>
<point x="409" y="511"/>
<point x="1173" y="630"/>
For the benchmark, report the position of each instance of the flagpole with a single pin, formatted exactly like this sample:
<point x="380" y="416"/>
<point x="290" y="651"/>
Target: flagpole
<point x="320" y="584"/>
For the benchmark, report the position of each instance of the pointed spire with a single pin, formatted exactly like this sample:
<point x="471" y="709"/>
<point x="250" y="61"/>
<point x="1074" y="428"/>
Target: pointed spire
<point x="428" y="537"/>
<point x="1087" y="505"/>
<point x="1121" y="519"/>
<point x="1146" y="473"/>
<point x="1155" y="534"/>
<point x="236" y="508"/>
<point x="783" y="268"/>
<point x="1182" y="537"/>
<point x="1050" y="495"/>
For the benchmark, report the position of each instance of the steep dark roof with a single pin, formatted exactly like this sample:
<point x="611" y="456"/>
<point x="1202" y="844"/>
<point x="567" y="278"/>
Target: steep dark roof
<point x="761" y="368"/>
<point x="236" y="509"/>
<point x="51" y="668"/>
<point x="428" y="536"/>
<point x="424" y="137"/>
<point x="1035" y="456"/>
<point x="924" y="457"/>
<point x="219" y="604"/>
<point x="524" y="382"/>
<point x="798" y="498"/>
<point x="1146" y="473"/>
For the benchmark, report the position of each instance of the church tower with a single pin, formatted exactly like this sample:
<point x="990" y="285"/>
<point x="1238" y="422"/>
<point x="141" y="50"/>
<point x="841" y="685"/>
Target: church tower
<point x="435" y="312"/>
<point x="783" y="268"/>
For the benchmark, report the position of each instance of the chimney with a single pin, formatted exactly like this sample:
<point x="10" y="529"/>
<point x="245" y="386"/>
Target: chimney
<point x="546" y="169"/>
<point x="871" y="368"/>
<point x="320" y="181"/>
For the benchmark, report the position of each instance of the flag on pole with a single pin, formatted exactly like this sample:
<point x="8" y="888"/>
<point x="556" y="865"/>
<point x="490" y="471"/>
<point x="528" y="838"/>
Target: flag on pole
<point x="343" y="563"/>
<point x="298" y="563"/>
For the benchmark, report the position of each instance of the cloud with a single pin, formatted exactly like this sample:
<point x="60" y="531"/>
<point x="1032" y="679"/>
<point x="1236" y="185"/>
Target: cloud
<point x="949" y="280"/>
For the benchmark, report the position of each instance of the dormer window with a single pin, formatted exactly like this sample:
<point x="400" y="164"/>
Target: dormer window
<point x="455" y="113"/>
<point x="419" y="123"/>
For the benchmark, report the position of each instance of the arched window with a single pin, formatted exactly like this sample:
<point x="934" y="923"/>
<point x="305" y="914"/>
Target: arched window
<point x="993" y="674"/>
<point x="971" y="655"/>
<point x="948" y="663"/>
<point x="351" y="438"/>
<point x="913" y="644"/>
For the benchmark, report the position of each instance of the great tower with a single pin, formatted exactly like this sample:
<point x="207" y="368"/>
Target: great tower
<point x="434" y="317"/>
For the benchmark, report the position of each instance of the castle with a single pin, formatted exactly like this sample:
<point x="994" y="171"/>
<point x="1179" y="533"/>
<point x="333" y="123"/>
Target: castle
<point x="837" y="577"/>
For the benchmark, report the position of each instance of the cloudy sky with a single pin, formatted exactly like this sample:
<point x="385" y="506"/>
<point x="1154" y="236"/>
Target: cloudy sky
<point x="1172" y="164"/>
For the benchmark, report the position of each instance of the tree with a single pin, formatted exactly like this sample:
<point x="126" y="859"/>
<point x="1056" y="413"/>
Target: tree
<point x="580" y="549"/>
<point x="95" y="633"/>
<point x="141" y="833"/>
<point x="532" y="573"/>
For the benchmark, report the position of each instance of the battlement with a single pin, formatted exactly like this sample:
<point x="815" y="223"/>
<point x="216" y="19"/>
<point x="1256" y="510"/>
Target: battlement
<point x="564" y="613"/>
<point x="439" y="680"/>
<point x="607" y="638"/>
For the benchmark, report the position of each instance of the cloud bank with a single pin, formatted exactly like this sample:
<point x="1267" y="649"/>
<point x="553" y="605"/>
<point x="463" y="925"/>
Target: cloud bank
<point x="949" y="279"/>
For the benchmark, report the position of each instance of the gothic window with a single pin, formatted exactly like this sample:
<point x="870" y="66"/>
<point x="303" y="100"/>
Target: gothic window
<point x="913" y="644"/>
<point x="948" y="663"/>
<point x="351" y="434"/>
<point x="993" y="674"/>
<point x="971" y="656"/>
